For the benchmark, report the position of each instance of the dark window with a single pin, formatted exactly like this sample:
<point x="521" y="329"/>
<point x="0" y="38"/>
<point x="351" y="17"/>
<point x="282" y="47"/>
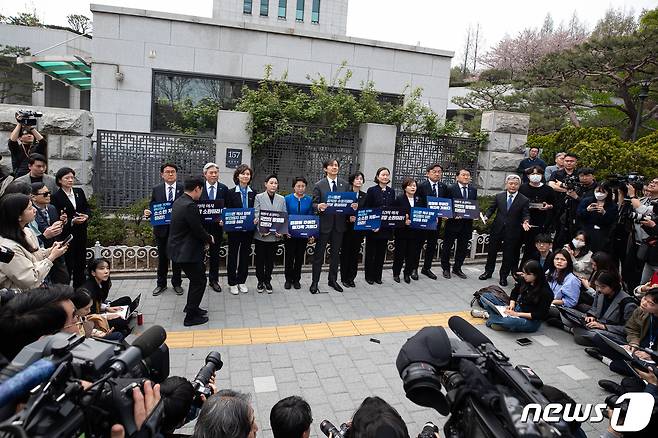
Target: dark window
<point x="264" y="7"/>
<point x="315" y="15"/>
<point x="56" y="93"/>
<point x="247" y="7"/>
<point x="283" y="9"/>
<point x="299" y="16"/>
<point x="85" y="99"/>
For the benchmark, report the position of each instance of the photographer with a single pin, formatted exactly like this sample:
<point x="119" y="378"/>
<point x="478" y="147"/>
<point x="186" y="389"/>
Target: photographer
<point x="598" y="215"/>
<point x="651" y="244"/>
<point x="641" y="208"/>
<point x="291" y="417"/>
<point x="227" y="414"/>
<point x="22" y="144"/>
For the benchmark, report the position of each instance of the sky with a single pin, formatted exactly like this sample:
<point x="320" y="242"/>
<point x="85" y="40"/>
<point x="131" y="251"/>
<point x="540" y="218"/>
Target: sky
<point x="440" y="24"/>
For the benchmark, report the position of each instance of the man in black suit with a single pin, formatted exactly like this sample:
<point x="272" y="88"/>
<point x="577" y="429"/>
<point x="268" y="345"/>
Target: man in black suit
<point x="460" y="230"/>
<point x="512" y="219"/>
<point x="168" y="191"/>
<point x="213" y="190"/>
<point x="332" y="226"/>
<point x="432" y="186"/>
<point x="185" y="246"/>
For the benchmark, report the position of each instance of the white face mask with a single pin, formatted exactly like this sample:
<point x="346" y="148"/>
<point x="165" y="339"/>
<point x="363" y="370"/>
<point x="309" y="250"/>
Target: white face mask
<point x="600" y="196"/>
<point x="534" y="178"/>
<point x="577" y="243"/>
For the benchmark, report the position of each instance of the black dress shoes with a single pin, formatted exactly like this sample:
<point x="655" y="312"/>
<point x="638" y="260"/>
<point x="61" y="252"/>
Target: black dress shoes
<point x="611" y="386"/>
<point x="446" y="274"/>
<point x="428" y="273"/>
<point x="594" y="352"/>
<point x="202" y="312"/>
<point x="414" y="275"/>
<point x="378" y="282"/>
<point x="179" y="290"/>
<point x="407" y="279"/>
<point x="460" y="274"/>
<point x="314" y="288"/>
<point x="195" y="320"/>
<point x="159" y="290"/>
<point x="215" y="286"/>
<point x="336" y="286"/>
<point x="287" y="285"/>
<point x="296" y="285"/>
<point x="485" y="276"/>
<point x="346" y="283"/>
<point x="352" y="283"/>
<point x="503" y="281"/>
<point x="369" y="281"/>
<point x="396" y="278"/>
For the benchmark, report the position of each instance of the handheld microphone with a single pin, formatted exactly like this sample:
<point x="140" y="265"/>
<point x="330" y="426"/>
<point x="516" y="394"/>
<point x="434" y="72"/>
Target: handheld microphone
<point x="144" y="346"/>
<point x="466" y="332"/>
<point x="25" y="380"/>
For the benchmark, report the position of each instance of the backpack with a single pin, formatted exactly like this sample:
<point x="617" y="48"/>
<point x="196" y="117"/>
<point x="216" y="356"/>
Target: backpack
<point x="498" y="291"/>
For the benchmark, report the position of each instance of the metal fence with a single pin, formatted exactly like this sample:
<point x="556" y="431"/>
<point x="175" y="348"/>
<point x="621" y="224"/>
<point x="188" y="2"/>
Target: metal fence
<point x="127" y="164"/>
<point x="414" y="152"/>
<point x="302" y="152"/>
<point x="145" y="258"/>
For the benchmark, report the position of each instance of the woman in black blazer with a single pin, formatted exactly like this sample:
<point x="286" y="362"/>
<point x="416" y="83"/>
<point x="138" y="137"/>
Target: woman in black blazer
<point x="378" y="196"/>
<point x="407" y="240"/>
<point x="73" y="202"/>
<point x="352" y="240"/>
<point x="239" y="242"/>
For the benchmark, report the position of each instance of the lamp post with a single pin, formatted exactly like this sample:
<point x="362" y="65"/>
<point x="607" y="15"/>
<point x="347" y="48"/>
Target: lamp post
<point x="644" y="93"/>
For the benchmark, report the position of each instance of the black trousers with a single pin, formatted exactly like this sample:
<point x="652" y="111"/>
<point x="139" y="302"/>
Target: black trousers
<point x="511" y="252"/>
<point x="375" y="255"/>
<point x="294" y="259"/>
<point x="196" y="273"/>
<point x="237" y="265"/>
<point x="163" y="265"/>
<point x="432" y="238"/>
<point x="349" y="255"/>
<point x="59" y="273"/>
<point x="335" y="238"/>
<point x="264" y="260"/>
<point x="462" y="235"/>
<point x="407" y="252"/>
<point x="76" y="258"/>
<point x="213" y="253"/>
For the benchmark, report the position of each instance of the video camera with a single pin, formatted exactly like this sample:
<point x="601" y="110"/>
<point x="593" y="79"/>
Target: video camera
<point x="571" y="182"/>
<point x="485" y="393"/>
<point x="52" y="369"/>
<point x="619" y="181"/>
<point x="27" y="117"/>
<point x="327" y="428"/>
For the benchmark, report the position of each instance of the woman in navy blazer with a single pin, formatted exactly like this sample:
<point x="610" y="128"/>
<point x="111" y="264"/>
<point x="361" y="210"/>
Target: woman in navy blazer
<point x="378" y="196"/>
<point x="239" y="242"/>
<point x="407" y="240"/>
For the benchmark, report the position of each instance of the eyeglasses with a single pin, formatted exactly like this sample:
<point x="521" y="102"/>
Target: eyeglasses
<point x="45" y="194"/>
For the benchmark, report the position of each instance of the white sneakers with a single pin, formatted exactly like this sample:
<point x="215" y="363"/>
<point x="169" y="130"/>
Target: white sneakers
<point x="243" y="288"/>
<point x="234" y="290"/>
<point x="475" y="313"/>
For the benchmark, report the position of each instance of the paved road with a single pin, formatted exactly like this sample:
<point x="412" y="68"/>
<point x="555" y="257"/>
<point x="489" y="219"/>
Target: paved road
<point x="336" y="371"/>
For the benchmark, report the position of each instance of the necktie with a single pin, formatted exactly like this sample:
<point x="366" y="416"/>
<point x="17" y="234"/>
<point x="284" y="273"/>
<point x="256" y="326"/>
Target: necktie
<point x="46" y="216"/>
<point x="244" y="198"/>
<point x="333" y="186"/>
<point x="211" y="193"/>
<point x="171" y="194"/>
<point x="299" y="206"/>
<point x="464" y="192"/>
<point x="509" y="202"/>
<point x="436" y="193"/>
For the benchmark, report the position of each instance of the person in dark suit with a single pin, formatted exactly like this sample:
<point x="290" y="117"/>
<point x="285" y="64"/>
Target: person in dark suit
<point x="432" y="186"/>
<point x="512" y="219"/>
<point x="50" y="224"/>
<point x="332" y="226"/>
<point x="352" y="240"/>
<point x="185" y="246"/>
<point x="378" y="196"/>
<point x="213" y="190"/>
<point x="168" y="191"/>
<point x="72" y="201"/>
<point x="459" y="230"/>
<point x="407" y="239"/>
<point x="239" y="242"/>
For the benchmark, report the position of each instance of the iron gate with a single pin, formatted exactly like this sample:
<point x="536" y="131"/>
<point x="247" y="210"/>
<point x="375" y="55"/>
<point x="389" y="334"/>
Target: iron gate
<point x="414" y="152"/>
<point x="302" y="152"/>
<point x="127" y="164"/>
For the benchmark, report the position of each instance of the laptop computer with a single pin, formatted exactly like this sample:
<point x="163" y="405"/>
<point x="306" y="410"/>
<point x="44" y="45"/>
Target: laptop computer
<point x="574" y="316"/>
<point x="500" y="310"/>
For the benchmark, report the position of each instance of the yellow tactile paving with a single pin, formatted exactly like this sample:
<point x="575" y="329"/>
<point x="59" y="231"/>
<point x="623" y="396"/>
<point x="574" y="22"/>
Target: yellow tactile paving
<point x="307" y="332"/>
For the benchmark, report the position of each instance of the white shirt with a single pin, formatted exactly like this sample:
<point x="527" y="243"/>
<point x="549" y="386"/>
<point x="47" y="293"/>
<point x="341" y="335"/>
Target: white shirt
<point x="173" y="191"/>
<point x="208" y="186"/>
<point x="513" y="195"/>
<point x="331" y="187"/>
<point x="411" y="200"/>
<point x="71" y="197"/>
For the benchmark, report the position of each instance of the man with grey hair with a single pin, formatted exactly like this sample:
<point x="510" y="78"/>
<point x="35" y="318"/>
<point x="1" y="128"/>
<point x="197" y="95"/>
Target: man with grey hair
<point x="559" y="164"/>
<point x="213" y="190"/>
<point x="227" y="414"/>
<point x="512" y="219"/>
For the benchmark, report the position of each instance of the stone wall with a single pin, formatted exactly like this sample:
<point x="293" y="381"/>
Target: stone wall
<point x="508" y="134"/>
<point x="68" y="133"/>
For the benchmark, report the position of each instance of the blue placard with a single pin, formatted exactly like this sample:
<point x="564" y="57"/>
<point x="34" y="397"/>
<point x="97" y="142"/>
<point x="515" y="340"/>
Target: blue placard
<point x="161" y="213"/>
<point x="238" y="219"/>
<point x="270" y="221"/>
<point x="442" y="206"/>
<point x="303" y="226"/>
<point x="423" y="218"/>
<point x="465" y="209"/>
<point x="210" y="211"/>
<point x="340" y="203"/>
<point x="368" y="219"/>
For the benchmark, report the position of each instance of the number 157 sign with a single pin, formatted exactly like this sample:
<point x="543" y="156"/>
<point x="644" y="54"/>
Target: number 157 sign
<point x="233" y="158"/>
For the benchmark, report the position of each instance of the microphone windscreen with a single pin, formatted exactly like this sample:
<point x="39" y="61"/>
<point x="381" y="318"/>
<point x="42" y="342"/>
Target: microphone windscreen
<point x="149" y="341"/>
<point x="466" y="332"/>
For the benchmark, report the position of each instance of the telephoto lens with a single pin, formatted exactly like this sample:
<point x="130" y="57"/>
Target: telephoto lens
<point x="329" y="429"/>
<point x="200" y="382"/>
<point x="428" y="430"/>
